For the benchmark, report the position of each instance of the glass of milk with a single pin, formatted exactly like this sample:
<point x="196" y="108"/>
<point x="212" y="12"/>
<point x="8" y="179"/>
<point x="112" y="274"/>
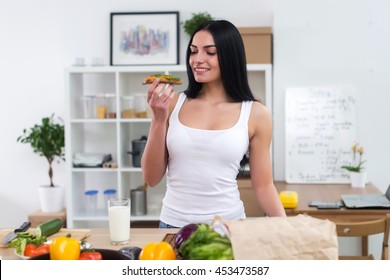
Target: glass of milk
<point x="119" y="220"/>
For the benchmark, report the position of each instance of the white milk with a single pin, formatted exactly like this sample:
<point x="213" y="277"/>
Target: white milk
<point x="119" y="220"/>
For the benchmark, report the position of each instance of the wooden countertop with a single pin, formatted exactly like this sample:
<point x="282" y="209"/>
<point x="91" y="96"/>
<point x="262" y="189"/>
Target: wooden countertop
<point x="139" y="237"/>
<point x="331" y="192"/>
<point x="99" y="239"/>
<point x="315" y="192"/>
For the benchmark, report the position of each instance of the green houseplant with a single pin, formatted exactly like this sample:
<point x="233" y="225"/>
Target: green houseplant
<point x="197" y="19"/>
<point x="47" y="139"/>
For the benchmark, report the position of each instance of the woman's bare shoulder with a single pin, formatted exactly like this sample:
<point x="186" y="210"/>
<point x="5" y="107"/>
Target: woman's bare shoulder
<point x="259" y="111"/>
<point x="260" y="119"/>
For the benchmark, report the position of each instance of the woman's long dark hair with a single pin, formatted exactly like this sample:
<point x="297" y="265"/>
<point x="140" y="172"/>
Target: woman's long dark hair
<point x="231" y="57"/>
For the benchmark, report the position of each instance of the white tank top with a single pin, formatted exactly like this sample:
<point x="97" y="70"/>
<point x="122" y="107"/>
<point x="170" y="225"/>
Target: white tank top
<point x="202" y="170"/>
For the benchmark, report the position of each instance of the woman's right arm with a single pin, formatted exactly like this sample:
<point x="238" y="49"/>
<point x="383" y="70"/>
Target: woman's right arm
<point x="155" y="157"/>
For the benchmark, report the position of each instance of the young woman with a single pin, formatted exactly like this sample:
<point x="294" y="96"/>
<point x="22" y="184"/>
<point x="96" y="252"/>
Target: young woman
<point x="200" y="136"/>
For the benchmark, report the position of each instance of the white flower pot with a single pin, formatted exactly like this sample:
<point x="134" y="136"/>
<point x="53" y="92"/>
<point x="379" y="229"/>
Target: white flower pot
<point x="51" y="198"/>
<point x="358" y="179"/>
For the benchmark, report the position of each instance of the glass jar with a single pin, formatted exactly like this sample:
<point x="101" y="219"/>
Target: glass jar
<point x="91" y="201"/>
<point x="111" y="105"/>
<point x="140" y="105"/>
<point x="88" y="106"/>
<point x="109" y="194"/>
<point x="128" y="110"/>
<point x="101" y="106"/>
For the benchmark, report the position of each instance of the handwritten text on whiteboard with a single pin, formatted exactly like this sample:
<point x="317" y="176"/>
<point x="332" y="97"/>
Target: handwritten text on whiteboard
<point x="320" y="129"/>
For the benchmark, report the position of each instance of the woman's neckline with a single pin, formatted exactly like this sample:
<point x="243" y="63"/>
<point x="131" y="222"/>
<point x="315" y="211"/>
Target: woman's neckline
<point x="206" y="130"/>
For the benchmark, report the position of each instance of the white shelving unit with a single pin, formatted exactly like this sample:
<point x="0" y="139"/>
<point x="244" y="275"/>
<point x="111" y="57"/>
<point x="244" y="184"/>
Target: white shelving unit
<point x="114" y="135"/>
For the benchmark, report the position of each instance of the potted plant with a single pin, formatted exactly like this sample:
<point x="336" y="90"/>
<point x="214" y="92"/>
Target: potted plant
<point x="356" y="170"/>
<point x="47" y="139"/>
<point x="197" y="19"/>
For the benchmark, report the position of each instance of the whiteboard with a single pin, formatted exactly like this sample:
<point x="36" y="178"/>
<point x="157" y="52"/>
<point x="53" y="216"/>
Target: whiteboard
<point x="320" y="130"/>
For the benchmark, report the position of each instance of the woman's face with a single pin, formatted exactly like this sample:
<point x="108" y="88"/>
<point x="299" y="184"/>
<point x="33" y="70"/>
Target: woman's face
<point x="204" y="58"/>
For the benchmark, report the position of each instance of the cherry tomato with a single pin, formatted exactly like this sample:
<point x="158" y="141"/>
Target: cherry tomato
<point x="158" y="251"/>
<point x="91" y="255"/>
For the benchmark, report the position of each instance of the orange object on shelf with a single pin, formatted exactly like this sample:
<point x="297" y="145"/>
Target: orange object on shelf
<point x="101" y="111"/>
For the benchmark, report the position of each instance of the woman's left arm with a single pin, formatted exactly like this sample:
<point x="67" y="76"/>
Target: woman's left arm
<point x="260" y="137"/>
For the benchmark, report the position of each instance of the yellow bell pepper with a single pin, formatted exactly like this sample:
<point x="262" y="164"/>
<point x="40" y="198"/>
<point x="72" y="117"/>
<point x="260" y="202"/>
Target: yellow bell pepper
<point x="65" y="248"/>
<point x="158" y="251"/>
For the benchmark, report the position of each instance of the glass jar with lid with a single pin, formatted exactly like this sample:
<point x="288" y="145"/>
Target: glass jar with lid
<point x="91" y="201"/>
<point x="128" y="110"/>
<point x="109" y="194"/>
<point x="88" y="106"/>
<point x="101" y="106"/>
<point x="111" y="105"/>
<point x="140" y="105"/>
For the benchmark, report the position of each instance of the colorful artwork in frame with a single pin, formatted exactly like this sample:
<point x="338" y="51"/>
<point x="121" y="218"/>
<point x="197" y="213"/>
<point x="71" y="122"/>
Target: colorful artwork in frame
<point x="144" y="38"/>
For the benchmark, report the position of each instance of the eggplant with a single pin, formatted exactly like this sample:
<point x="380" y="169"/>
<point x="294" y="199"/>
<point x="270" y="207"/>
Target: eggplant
<point x="132" y="252"/>
<point x="184" y="233"/>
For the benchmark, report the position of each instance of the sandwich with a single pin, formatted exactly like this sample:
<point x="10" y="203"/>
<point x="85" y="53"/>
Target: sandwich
<point x="165" y="79"/>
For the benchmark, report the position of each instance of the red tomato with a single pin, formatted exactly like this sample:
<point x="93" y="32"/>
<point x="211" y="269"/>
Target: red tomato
<point x="42" y="249"/>
<point x="32" y="250"/>
<point x="29" y="251"/>
<point x="91" y="256"/>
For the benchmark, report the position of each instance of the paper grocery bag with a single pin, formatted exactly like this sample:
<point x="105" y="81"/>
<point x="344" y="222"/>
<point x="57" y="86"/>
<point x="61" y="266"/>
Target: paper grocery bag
<point x="293" y="238"/>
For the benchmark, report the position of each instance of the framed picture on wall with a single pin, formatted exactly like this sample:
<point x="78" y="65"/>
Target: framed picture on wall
<point x="144" y="38"/>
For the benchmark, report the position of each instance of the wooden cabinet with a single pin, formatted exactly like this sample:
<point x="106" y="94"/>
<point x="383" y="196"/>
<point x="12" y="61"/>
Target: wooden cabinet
<point x="247" y="194"/>
<point x="87" y="134"/>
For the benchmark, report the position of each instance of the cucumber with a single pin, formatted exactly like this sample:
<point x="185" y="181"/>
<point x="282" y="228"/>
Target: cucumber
<point x="48" y="228"/>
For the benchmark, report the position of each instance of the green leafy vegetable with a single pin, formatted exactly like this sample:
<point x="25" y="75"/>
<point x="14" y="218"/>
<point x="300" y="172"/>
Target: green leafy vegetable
<point x="171" y="77"/>
<point x="25" y="238"/>
<point x="206" y="244"/>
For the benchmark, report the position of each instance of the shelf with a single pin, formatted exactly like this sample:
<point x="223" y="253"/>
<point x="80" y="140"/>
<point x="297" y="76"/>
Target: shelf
<point x="136" y="120"/>
<point x="88" y="218"/>
<point x="109" y="170"/>
<point x="93" y="121"/>
<point x="126" y="69"/>
<point x="148" y="68"/>
<point x="133" y="120"/>
<point x="115" y="136"/>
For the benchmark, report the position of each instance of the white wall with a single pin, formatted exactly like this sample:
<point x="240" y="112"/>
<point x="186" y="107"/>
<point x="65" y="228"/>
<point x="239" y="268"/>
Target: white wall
<point x="38" y="39"/>
<point x="332" y="42"/>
